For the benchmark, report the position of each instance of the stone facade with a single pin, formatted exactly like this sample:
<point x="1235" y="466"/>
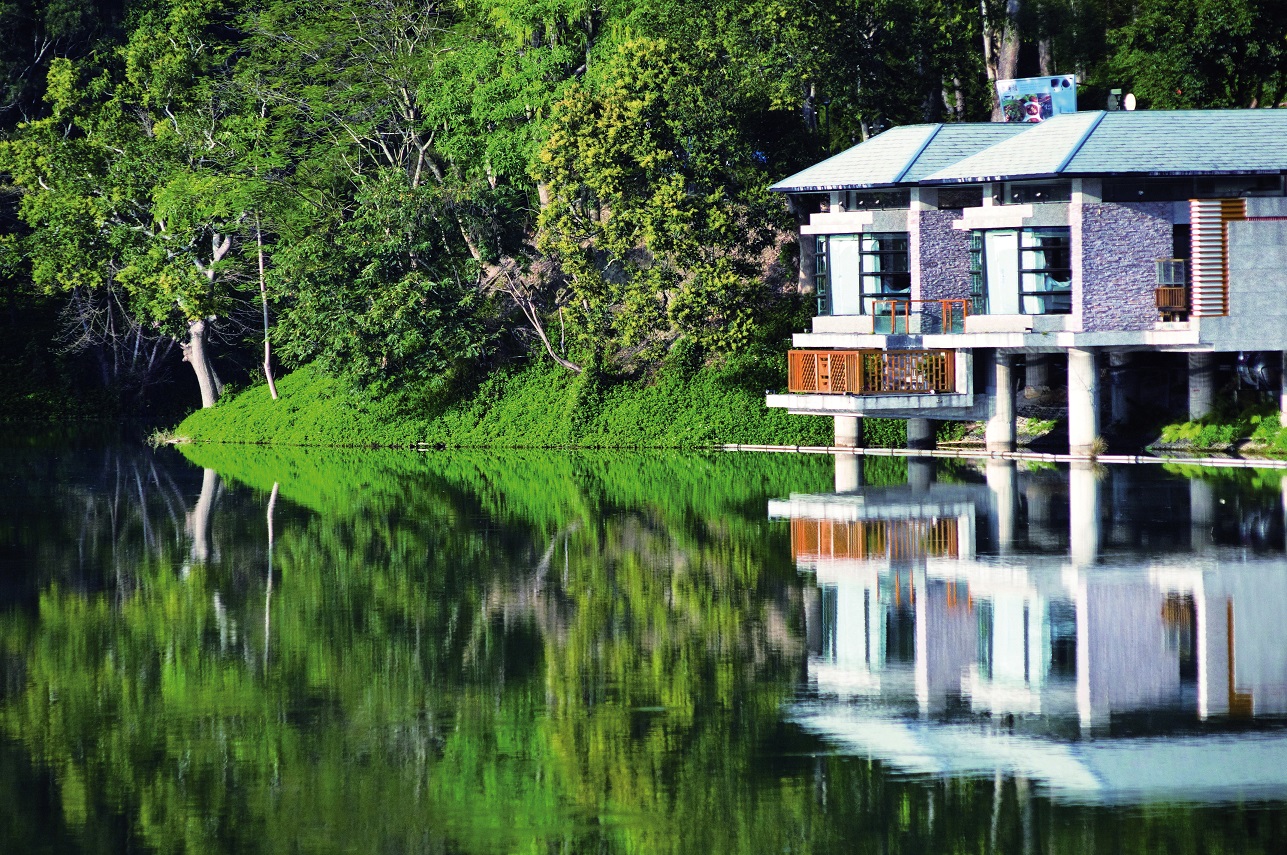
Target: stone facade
<point x="943" y="254"/>
<point x="1119" y="244"/>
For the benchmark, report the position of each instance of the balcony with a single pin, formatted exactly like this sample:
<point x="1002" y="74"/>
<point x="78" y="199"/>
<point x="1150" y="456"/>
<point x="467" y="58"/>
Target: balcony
<point x="871" y="372"/>
<point x="1172" y="289"/>
<point x="894" y="317"/>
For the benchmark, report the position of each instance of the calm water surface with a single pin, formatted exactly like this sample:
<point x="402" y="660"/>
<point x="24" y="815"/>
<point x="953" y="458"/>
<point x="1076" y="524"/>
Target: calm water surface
<point x="247" y="650"/>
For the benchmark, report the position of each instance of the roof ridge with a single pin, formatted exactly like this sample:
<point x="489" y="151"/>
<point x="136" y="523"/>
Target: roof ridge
<point x="1080" y="142"/>
<point x="907" y="167"/>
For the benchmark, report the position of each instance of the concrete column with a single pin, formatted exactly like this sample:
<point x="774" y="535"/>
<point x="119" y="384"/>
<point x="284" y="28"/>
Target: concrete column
<point x="920" y="473"/>
<point x="848" y="432"/>
<point x="1201" y="385"/>
<point x="1119" y="372"/>
<point x="1036" y="371"/>
<point x="848" y="472"/>
<point x="920" y="433"/>
<point x="1282" y="396"/>
<point x="1083" y="401"/>
<point x="1003" y="481"/>
<point x="1083" y="512"/>
<point x="1000" y="432"/>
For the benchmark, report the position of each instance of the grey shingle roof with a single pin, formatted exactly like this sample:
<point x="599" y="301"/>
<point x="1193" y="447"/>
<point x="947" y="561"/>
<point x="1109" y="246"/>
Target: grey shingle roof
<point x="955" y="142"/>
<point x="1039" y="150"/>
<point x="1089" y="143"/>
<point x="878" y="161"/>
<point x="1185" y="141"/>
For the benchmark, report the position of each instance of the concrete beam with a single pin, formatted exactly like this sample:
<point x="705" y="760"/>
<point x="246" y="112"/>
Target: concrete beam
<point x="1083" y="402"/>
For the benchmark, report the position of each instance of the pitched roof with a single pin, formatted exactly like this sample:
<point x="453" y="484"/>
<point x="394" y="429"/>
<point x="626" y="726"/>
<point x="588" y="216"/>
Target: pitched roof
<point x="898" y="156"/>
<point x="1147" y="142"/>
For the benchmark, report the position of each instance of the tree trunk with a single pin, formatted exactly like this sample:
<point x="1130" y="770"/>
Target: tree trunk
<point x="194" y="353"/>
<point x="263" y="296"/>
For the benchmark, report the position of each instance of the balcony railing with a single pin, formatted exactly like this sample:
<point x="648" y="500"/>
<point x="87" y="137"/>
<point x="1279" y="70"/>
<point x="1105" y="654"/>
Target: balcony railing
<point x="937" y="316"/>
<point x="871" y="372"/>
<point x="1173" y="289"/>
<point x="827" y="540"/>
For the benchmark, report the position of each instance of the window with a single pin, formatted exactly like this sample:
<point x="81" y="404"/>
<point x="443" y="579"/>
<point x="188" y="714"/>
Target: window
<point x="1026" y="194"/>
<point x="885" y="268"/>
<point x="879" y="200"/>
<point x="1021" y="271"/>
<point x="853" y="272"/>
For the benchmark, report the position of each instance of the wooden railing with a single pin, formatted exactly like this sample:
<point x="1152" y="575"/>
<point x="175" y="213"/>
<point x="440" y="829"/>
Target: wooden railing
<point x="894" y="316"/>
<point x="871" y="372"/>
<point x="813" y="540"/>
<point x="1173" y="302"/>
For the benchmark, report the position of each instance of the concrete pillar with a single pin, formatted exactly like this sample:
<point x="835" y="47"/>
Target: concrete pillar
<point x="920" y="473"/>
<point x="1083" y="512"/>
<point x="1003" y="481"/>
<point x="1000" y="432"/>
<point x="920" y="433"/>
<point x="1282" y="396"/>
<point x="1201" y="385"/>
<point x="848" y="432"/>
<point x="1119" y="372"/>
<point x="1036" y="372"/>
<point x="848" y="472"/>
<point x="1083" y="401"/>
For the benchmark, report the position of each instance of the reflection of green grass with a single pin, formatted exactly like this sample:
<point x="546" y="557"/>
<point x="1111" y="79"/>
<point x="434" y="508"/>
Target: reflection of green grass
<point x="538" y="407"/>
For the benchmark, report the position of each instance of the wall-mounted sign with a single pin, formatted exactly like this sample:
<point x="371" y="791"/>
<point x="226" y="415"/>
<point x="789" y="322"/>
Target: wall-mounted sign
<point x="1035" y="99"/>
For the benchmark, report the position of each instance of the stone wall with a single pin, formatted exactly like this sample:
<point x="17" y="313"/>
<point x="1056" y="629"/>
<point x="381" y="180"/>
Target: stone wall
<point x="1119" y="244"/>
<point x="944" y="256"/>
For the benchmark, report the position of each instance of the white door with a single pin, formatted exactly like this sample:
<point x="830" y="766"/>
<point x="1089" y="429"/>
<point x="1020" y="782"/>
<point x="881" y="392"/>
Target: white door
<point x="1001" y="255"/>
<point x="846" y="279"/>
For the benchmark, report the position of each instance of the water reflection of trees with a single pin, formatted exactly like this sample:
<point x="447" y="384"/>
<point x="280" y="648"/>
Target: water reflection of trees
<point x="464" y="654"/>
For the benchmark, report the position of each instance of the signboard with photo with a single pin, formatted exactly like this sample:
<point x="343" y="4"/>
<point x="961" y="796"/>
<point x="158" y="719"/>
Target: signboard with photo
<point x="1035" y="99"/>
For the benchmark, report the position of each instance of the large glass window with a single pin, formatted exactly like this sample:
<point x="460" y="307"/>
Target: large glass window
<point x="854" y="272"/>
<point x="1021" y="271"/>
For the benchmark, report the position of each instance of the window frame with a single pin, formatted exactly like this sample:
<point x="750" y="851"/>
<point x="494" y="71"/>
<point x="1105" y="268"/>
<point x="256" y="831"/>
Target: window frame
<point x="1027" y="271"/>
<point x="880" y="290"/>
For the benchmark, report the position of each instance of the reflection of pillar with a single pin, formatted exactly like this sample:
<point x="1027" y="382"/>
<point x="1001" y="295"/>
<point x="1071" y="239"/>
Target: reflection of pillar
<point x="920" y="433"/>
<point x="848" y="431"/>
<point x="1000" y="431"/>
<point x="921" y="606"/>
<point x="920" y="473"/>
<point x="1083" y="512"/>
<point x="848" y="472"/>
<point x="199" y="518"/>
<point x="1003" y="481"/>
<point x="1201" y="513"/>
<point x="1212" y="614"/>
<point x="1083" y="401"/>
<point x="813" y="619"/>
<point x="1119" y="372"/>
<point x="1201" y="385"/>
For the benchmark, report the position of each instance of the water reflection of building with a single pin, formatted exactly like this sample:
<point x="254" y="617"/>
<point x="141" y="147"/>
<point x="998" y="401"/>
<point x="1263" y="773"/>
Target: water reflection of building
<point x="1060" y="610"/>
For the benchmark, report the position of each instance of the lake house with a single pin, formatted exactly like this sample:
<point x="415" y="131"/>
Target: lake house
<point x="955" y="264"/>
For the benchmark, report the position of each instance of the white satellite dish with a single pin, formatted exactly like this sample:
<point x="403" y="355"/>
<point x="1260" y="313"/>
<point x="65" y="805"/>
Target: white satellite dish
<point x="1128" y="101"/>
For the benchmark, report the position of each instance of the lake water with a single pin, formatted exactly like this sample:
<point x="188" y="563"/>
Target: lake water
<point x="221" y="649"/>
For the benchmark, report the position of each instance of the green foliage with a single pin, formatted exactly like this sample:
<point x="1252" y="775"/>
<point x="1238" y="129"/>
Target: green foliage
<point x="1260" y="424"/>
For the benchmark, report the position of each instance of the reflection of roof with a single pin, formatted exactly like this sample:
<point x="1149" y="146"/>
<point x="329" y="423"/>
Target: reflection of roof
<point x="1178" y="767"/>
<point x="1177" y="142"/>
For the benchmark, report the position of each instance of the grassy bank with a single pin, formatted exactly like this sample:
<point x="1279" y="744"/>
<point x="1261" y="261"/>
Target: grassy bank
<point x="1257" y="428"/>
<point x="540" y="406"/>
